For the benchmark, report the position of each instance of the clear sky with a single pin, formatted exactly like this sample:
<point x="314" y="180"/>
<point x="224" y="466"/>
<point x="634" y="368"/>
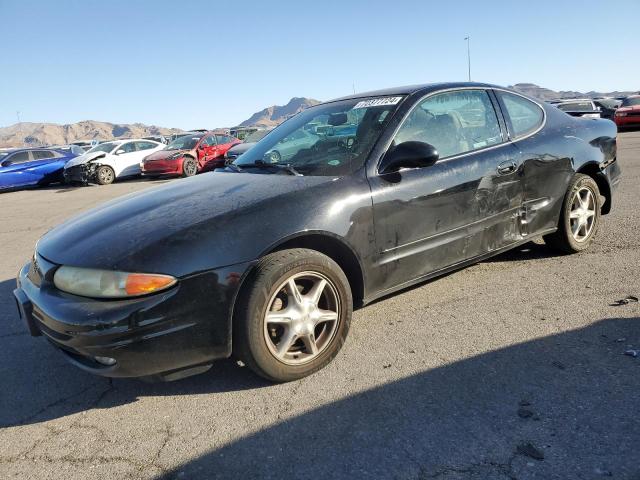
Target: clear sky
<point x="204" y="64"/>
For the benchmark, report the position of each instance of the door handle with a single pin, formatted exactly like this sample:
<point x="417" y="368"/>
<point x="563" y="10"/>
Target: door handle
<point x="505" y="168"/>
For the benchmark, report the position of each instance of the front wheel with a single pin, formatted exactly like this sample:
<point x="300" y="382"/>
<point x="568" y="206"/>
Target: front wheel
<point x="189" y="167"/>
<point x="105" y="175"/>
<point x="293" y="316"/>
<point x="579" y="218"/>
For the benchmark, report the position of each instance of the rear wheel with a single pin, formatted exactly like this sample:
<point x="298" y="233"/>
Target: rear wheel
<point x="579" y="218"/>
<point x="105" y="175"/>
<point x="189" y="167"/>
<point x="293" y="316"/>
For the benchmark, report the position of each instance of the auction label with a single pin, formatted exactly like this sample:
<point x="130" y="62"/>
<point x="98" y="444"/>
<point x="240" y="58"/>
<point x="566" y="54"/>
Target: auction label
<point x="377" y="102"/>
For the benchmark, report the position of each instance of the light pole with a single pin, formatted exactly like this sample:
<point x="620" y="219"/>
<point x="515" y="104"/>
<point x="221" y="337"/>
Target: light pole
<point x="468" y="39"/>
<point x="20" y="128"/>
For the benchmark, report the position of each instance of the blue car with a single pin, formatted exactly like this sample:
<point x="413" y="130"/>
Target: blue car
<point x="22" y="167"/>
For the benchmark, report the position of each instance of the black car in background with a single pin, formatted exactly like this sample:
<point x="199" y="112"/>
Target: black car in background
<point x="607" y="106"/>
<point x="249" y="141"/>
<point x="266" y="260"/>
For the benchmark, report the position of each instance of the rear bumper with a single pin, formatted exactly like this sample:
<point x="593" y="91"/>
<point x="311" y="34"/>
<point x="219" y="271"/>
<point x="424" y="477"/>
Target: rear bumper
<point x="186" y="326"/>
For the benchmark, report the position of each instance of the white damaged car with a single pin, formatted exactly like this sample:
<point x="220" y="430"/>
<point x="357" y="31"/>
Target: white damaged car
<point x="106" y="162"/>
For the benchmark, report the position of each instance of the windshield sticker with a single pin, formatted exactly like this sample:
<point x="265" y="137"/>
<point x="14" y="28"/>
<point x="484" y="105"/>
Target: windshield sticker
<point x="377" y="102"/>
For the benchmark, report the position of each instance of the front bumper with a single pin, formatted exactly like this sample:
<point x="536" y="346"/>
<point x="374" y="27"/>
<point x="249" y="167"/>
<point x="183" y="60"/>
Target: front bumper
<point x="627" y="120"/>
<point x="186" y="326"/>
<point x="83" y="173"/>
<point x="162" y="167"/>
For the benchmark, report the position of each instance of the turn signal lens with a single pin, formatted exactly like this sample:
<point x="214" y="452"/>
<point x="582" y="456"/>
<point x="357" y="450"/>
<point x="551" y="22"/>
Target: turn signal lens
<point x="89" y="282"/>
<point x="142" y="283"/>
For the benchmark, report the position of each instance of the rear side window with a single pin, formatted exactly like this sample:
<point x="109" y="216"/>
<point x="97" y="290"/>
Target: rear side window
<point x="145" y="145"/>
<point x="524" y="116"/>
<point x="42" y="154"/>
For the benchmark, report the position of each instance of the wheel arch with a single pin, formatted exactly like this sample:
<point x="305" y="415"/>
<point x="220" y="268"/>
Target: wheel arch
<point x="592" y="169"/>
<point x="334" y="248"/>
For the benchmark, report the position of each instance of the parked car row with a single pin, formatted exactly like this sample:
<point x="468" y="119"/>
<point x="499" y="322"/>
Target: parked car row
<point x="107" y="161"/>
<point x="624" y="112"/>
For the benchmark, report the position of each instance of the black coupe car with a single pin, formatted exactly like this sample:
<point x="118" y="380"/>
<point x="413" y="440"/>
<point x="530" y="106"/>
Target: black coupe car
<point x="265" y="261"/>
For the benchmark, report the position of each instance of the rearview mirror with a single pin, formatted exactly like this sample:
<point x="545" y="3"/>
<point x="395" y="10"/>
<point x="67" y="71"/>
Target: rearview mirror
<point x="409" y="155"/>
<point x="120" y="152"/>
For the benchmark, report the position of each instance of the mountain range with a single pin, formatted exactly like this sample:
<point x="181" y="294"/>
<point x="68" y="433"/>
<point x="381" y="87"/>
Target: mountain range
<point x="38" y="134"/>
<point x="276" y="114"/>
<point x="545" y="94"/>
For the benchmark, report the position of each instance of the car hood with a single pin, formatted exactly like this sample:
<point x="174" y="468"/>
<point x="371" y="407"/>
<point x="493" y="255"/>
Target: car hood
<point x="86" y="158"/>
<point x="163" y="154"/>
<point x="240" y="148"/>
<point x="159" y="230"/>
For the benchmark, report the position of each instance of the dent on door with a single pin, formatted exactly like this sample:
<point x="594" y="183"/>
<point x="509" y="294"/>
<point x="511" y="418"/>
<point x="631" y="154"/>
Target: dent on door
<point x="431" y="218"/>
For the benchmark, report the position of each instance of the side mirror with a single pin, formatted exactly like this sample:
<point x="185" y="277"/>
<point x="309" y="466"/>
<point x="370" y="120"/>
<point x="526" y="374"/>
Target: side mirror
<point x="409" y="155"/>
<point x="120" y="152"/>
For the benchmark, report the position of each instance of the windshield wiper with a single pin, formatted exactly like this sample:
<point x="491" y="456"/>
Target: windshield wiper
<point x="279" y="166"/>
<point x="233" y="167"/>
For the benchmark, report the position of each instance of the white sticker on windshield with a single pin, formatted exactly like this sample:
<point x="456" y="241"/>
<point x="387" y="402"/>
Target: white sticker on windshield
<point x="377" y="102"/>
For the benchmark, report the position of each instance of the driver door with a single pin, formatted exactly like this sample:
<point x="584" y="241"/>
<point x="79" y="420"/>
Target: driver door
<point x="427" y="219"/>
<point x="126" y="160"/>
<point x="207" y="151"/>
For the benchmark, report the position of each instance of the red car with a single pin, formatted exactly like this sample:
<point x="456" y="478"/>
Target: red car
<point x="188" y="155"/>
<point x="628" y="114"/>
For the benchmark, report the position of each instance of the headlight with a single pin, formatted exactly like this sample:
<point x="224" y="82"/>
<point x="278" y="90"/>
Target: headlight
<point x="621" y="114"/>
<point x="89" y="282"/>
<point x="176" y="155"/>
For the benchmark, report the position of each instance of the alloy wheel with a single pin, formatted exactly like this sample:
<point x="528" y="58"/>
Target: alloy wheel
<point x="302" y="318"/>
<point x="106" y="175"/>
<point x="582" y="214"/>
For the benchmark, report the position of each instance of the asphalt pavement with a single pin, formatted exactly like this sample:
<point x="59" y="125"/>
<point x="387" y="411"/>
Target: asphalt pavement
<point x="514" y="368"/>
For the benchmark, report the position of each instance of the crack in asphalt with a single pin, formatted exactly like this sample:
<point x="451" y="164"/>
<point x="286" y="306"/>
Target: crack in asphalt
<point x="62" y="400"/>
<point x="504" y="468"/>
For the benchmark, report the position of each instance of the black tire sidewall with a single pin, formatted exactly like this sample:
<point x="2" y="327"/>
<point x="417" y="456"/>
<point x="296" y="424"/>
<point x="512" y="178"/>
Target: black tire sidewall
<point x="272" y="271"/>
<point x="579" y="181"/>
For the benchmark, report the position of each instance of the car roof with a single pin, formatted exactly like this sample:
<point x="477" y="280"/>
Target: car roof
<point x="571" y="100"/>
<point x="411" y="89"/>
<point x="26" y="149"/>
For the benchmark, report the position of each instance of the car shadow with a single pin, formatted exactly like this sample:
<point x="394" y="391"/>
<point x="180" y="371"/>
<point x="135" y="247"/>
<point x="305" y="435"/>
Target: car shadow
<point x="561" y="406"/>
<point x="526" y="252"/>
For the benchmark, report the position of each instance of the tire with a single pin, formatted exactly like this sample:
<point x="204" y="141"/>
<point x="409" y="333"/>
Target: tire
<point x="105" y="175"/>
<point x="565" y="238"/>
<point x="259" y="343"/>
<point x="189" y="167"/>
<point x="274" y="156"/>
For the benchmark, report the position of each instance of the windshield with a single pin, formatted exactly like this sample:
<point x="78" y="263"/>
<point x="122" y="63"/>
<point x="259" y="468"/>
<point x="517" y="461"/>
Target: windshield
<point x="104" y="147"/>
<point x="258" y="135"/>
<point x="329" y="139"/>
<point x="187" y="142"/>
<point x="4" y="154"/>
<point x="630" y="102"/>
<point x="576" y="106"/>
